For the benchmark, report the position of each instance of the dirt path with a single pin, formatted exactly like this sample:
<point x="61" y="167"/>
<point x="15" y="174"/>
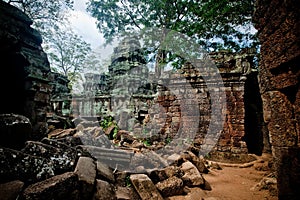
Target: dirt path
<point x="231" y="183"/>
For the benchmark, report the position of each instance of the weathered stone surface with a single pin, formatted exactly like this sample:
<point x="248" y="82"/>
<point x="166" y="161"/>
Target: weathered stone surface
<point x="15" y="130"/>
<point x="15" y="165"/>
<point x="122" y="178"/>
<point x="123" y="93"/>
<point x="175" y="159"/>
<point x="276" y="108"/>
<point x="61" y="133"/>
<point x="198" y="162"/>
<point x="126" y="193"/>
<point x="27" y="79"/>
<point x="171" y="186"/>
<point x="94" y="136"/>
<point x="287" y="165"/>
<point x="111" y="157"/>
<point x="63" y="158"/>
<point x="192" y="176"/>
<point x="123" y="193"/>
<point x="11" y="190"/>
<point x="64" y="186"/>
<point x="148" y="159"/>
<point x="86" y="171"/>
<point x="104" y="191"/>
<point x="278" y="25"/>
<point x="145" y="187"/>
<point x="206" y="185"/>
<point x="105" y="172"/>
<point x="158" y="175"/>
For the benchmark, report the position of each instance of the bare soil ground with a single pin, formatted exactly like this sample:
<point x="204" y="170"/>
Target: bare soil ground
<point x="233" y="183"/>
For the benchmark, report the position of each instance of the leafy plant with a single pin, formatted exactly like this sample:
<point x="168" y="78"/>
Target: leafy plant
<point x="168" y="140"/>
<point x="127" y="181"/>
<point x="107" y="122"/>
<point x="147" y="142"/>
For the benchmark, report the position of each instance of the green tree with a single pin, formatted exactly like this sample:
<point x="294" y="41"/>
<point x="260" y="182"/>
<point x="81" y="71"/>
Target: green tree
<point x="67" y="52"/>
<point x="202" y="19"/>
<point x="215" y="24"/>
<point x="43" y="12"/>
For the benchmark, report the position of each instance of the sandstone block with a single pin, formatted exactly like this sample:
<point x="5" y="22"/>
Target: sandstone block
<point x="145" y="187"/>
<point x="11" y="190"/>
<point x="104" y="191"/>
<point x="63" y="186"/>
<point x="105" y="171"/>
<point x="86" y="171"/>
<point x="192" y="176"/>
<point x="171" y="186"/>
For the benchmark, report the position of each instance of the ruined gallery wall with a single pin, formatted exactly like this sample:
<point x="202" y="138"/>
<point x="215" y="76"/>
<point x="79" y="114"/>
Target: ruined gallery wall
<point x="25" y="69"/>
<point x="162" y="107"/>
<point x="278" y="25"/>
<point x="235" y="70"/>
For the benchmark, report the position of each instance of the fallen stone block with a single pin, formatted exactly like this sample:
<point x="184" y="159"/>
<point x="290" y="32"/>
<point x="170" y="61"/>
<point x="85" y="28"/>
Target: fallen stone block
<point x="171" y="186"/>
<point x="192" y="176"/>
<point x="145" y="187"/>
<point x="104" y="171"/>
<point x="111" y="157"/>
<point x="86" y="171"/>
<point x="157" y="175"/>
<point x="16" y="165"/>
<point x="64" y="186"/>
<point x="148" y="159"/>
<point x="63" y="158"/>
<point x="175" y="159"/>
<point x="126" y="193"/>
<point x="104" y="191"/>
<point x="11" y="190"/>
<point x="198" y="163"/>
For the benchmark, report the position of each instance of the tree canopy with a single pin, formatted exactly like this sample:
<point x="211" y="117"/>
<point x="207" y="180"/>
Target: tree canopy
<point x="67" y="52"/>
<point x="215" y="24"/>
<point x="43" y="12"/>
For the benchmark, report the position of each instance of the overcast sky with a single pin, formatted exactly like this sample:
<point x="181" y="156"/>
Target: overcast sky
<point x="85" y="26"/>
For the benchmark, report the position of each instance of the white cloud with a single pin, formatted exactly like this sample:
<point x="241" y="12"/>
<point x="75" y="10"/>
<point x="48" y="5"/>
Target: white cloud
<point x="85" y="26"/>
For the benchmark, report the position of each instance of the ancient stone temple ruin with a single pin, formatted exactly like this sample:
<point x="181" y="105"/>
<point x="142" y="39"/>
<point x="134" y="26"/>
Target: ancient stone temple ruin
<point x="142" y="104"/>
<point x="150" y="112"/>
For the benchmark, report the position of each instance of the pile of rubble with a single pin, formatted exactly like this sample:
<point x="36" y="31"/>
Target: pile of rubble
<point x="83" y="163"/>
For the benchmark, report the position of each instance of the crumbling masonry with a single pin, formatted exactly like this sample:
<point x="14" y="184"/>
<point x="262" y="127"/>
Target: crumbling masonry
<point x="127" y="93"/>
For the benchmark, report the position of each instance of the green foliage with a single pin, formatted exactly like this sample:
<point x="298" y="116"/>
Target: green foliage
<point x="43" y="12"/>
<point x="168" y="140"/>
<point x="66" y="50"/>
<point x="115" y="132"/>
<point x="215" y="24"/>
<point x="147" y="142"/>
<point x="127" y="181"/>
<point x="107" y="122"/>
<point x="212" y="24"/>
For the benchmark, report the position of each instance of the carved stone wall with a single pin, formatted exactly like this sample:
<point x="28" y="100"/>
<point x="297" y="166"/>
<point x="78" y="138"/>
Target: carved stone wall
<point x="278" y="24"/>
<point x="25" y="69"/>
<point x="153" y="109"/>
